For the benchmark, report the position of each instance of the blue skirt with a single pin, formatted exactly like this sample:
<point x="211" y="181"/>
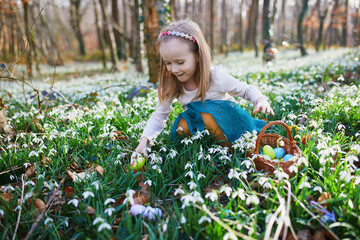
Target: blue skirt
<point x="232" y="119"/>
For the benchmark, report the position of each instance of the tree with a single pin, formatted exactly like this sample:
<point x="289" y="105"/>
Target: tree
<point x="253" y="13"/>
<point x="322" y="10"/>
<point x="117" y="35"/>
<point x="344" y="23"/>
<point x="212" y="25"/>
<point x="241" y="38"/>
<point x="75" y="19"/>
<point x="28" y="46"/>
<point x="136" y="32"/>
<point x="173" y="10"/>
<point x="330" y="32"/>
<point x="299" y="28"/>
<point x="151" y="31"/>
<point x="224" y="29"/>
<point x="100" y="39"/>
<point x="266" y="25"/>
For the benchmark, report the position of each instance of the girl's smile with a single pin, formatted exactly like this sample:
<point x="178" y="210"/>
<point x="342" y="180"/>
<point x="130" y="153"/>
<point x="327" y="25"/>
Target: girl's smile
<point x="180" y="61"/>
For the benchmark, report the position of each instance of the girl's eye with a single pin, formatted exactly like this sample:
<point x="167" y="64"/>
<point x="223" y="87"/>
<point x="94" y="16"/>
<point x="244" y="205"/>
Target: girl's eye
<point x="167" y="63"/>
<point x="180" y="62"/>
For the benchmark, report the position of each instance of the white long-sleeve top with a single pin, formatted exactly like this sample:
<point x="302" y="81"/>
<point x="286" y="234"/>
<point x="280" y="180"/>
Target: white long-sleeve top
<point x="223" y="87"/>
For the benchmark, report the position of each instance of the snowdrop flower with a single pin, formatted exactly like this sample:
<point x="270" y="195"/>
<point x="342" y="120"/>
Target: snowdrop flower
<point x="345" y="175"/>
<point x="26" y="165"/>
<point x="109" y="200"/>
<point x="33" y="153"/>
<point x="48" y="220"/>
<point x="129" y="197"/>
<point x="186" y="141"/>
<point x="233" y="174"/>
<point x="1" y="212"/>
<point x="148" y="182"/>
<point x="52" y="152"/>
<point x="104" y="225"/>
<point x="156" y="167"/>
<point x="200" y="176"/>
<point x="226" y="189"/>
<point x="17" y="208"/>
<point x="293" y="169"/>
<point x="41" y="176"/>
<point x="9" y="188"/>
<point x="87" y="194"/>
<point x="190" y="174"/>
<point x="281" y="175"/>
<point x="109" y="211"/>
<point x="351" y="204"/>
<point x="192" y="185"/>
<point x="247" y="163"/>
<point x="239" y="193"/>
<point x="212" y="195"/>
<point x="197" y="197"/>
<point x="179" y="190"/>
<point x="182" y="219"/>
<point x="74" y="202"/>
<point x="305" y="184"/>
<point x="29" y="183"/>
<point x="356" y="147"/>
<point x="230" y="235"/>
<point x="172" y="153"/>
<point x="351" y="159"/>
<point x="204" y="218"/>
<point x="186" y="200"/>
<point x="252" y="199"/>
<point x="96" y="184"/>
<point x="98" y="219"/>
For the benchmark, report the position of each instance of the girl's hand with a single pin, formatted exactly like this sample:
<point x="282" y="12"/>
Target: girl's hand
<point x="140" y="149"/>
<point x="263" y="106"/>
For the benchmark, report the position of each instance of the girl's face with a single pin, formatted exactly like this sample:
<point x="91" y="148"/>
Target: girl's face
<point x="179" y="59"/>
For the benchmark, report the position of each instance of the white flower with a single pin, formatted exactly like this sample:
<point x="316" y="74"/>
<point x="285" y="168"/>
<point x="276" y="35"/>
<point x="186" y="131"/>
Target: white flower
<point x="192" y="185"/>
<point x="252" y="199"/>
<point x="281" y="175"/>
<point x="29" y="183"/>
<point x="226" y="189"/>
<point x="148" y="182"/>
<point x="48" y="220"/>
<point x="182" y="219"/>
<point x="188" y="165"/>
<point x="212" y="195"/>
<point x="305" y="184"/>
<point x="239" y="193"/>
<point x="179" y="190"/>
<point x="233" y="174"/>
<point x="109" y="200"/>
<point x="74" y="202"/>
<point x="41" y="176"/>
<point x="293" y="168"/>
<point x="109" y="211"/>
<point x="33" y="153"/>
<point x="104" y="225"/>
<point x="96" y="184"/>
<point x="200" y="176"/>
<point x="18" y="208"/>
<point x="204" y="218"/>
<point x="1" y="212"/>
<point x="351" y="204"/>
<point x="98" y="219"/>
<point x="186" y="200"/>
<point x="190" y="174"/>
<point x="87" y="194"/>
<point x="230" y="235"/>
<point x="129" y="197"/>
<point x="351" y="159"/>
<point x="318" y="188"/>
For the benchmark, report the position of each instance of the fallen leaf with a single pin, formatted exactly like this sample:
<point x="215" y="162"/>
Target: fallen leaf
<point x="305" y="139"/>
<point x="69" y="191"/>
<point x="99" y="169"/>
<point x="6" y="196"/>
<point x="319" y="235"/>
<point x="303" y="234"/>
<point x="39" y="204"/>
<point x="30" y="171"/>
<point x="79" y="177"/>
<point x="45" y="161"/>
<point x="90" y="210"/>
<point x="140" y="198"/>
<point x="324" y="196"/>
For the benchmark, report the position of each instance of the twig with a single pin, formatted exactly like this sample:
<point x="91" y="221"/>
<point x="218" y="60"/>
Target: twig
<point x="21" y="201"/>
<point x="51" y="199"/>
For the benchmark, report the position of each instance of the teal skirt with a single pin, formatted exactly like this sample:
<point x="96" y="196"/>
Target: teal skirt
<point x="232" y="119"/>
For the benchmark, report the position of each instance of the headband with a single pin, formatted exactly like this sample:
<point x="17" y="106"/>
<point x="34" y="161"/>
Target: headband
<point x="178" y="34"/>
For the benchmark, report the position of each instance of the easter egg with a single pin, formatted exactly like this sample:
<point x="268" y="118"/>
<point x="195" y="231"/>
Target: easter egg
<point x="287" y="157"/>
<point x="138" y="163"/>
<point x="279" y="152"/>
<point x="268" y="150"/>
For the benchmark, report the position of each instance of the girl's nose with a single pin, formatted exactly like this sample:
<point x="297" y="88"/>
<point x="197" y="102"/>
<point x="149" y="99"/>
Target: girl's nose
<point x="174" y="69"/>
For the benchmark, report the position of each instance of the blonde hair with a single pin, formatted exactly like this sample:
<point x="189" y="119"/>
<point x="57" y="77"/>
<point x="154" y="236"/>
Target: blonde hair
<point x="169" y="86"/>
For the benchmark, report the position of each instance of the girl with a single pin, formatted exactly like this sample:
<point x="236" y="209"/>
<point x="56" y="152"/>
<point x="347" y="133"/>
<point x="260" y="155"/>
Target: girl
<point x="205" y="92"/>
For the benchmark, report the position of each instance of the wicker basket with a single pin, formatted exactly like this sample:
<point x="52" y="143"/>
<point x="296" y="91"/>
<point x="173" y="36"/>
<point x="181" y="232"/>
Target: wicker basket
<point x="290" y="147"/>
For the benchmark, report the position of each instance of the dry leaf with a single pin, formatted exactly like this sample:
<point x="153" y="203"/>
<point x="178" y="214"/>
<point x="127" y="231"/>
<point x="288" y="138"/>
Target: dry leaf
<point x="90" y="210"/>
<point x="305" y="139"/>
<point x="304" y="234"/>
<point x="30" y="171"/>
<point x="6" y="196"/>
<point x="69" y="191"/>
<point x="39" y="204"/>
<point x="324" y="196"/>
<point x="78" y="177"/>
<point x="140" y="198"/>
<point x="319" y="235"/>
<point x="45" y="161"/>
<point x="99" y="169"/>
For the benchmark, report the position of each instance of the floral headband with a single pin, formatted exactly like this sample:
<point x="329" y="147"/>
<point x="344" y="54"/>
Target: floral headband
<point x="178" y="34"/>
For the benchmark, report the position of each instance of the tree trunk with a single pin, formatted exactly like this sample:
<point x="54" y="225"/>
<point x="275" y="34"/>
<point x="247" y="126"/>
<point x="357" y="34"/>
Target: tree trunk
<point x="4" y="43"/>
<point x="28" y="38"/>
<point x="322" y="12"/>
<point x="151" y="32"/>
<point x="330" y="30"/>
<point x="100" y="39"/>
<point x="299" y="27"/>
<point x="266" y="25"/>
<point x="212" y="13"/>
<point x="173" y="10"/>
<point x="75" y="19"/>
<point x="125" y="28"/>
<point x="252" y="26"/>
<point x="108" y="36"/>
<point x="137" y="49"/>
<point x="117" y="35"/>
<point x="344" y="23"/>
<point x="224" y="29"/>
<point x="283" y="6"/>
<point x="241" y="28"/>
<point x="254" y="33"/>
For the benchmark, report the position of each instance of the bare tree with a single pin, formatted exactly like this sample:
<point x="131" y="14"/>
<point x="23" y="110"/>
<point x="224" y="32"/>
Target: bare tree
<point x="116" y="32"/>
<point x="282" y="16"/>
<point x="299" y="28"/>
<point x="75" y="19"/>
<point x="241" y="29"/>
<point x="322" y="9"/>
<point x="266" y="25"/>
<point x="212" y="14"/>
<point x="28" y="46"/>
<point x="137" y="48"/>
<point x="151" y="31"/>
<point x="253" y="13"/>
<point x="100" y="39"/>
<point x="330" y="32"/>
<point x="344" y="23"/>
<point x="224" y="29"/>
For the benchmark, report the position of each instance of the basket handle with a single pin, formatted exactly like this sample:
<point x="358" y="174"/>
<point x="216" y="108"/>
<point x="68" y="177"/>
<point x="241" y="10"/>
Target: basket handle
<point x="292" y="142"/>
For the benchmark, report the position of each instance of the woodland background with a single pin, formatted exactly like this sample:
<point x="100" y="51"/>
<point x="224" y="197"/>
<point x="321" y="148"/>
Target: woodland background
<point x="111" y="31"/>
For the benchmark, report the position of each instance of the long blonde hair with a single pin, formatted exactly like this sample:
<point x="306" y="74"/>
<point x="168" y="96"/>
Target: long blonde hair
<point x="169" y="86"/>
